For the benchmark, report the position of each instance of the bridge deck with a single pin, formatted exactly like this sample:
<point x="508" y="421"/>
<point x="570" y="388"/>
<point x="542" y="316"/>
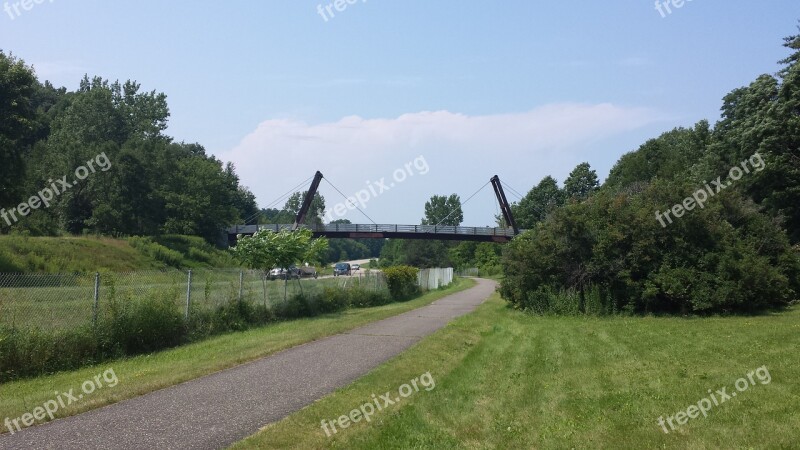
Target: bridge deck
<point x="353" y="231"/>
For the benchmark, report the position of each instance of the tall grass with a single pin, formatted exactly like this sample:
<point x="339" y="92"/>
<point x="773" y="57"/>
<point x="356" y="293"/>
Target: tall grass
<point x="593" y="301"/>
<point x="20" y="253"/>
<point x="127" y="326"/>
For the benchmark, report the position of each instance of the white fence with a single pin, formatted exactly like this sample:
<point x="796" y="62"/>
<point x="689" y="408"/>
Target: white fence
<point x="431" y="279"/>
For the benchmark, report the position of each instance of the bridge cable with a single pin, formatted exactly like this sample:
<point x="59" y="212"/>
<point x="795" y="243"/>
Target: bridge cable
<point x="513" y="191"/>
<point x="348" y="201"/>
<point x="463" y="203"/>
<point x="522" y="198"/>
<point x="497" y="213"/>
<point x="277" y="201"/>
<point x="289" y="193"/>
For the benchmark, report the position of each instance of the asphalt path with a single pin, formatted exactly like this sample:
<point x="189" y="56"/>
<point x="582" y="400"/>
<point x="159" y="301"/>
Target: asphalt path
<point x="217" y="410"/>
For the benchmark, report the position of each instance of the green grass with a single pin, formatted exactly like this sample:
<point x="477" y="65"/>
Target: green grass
<point x="144" y="374"/>
<point x="505" y="380"/>
<point x="70" y="305"/>
<point x="20" y="253"/>
<point x="70" y="254"/>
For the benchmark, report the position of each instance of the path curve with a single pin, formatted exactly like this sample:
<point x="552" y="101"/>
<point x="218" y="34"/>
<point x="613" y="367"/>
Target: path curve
<point x="217" y="410"/>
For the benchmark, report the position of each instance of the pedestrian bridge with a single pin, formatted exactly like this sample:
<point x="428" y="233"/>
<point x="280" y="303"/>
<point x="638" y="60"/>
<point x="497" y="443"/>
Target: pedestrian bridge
<point x="372" y="231"/>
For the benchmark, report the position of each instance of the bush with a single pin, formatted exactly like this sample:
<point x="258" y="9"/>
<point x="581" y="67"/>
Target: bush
<point x="402" y="281"/>
<point x="610" y="255"/>
<point x="362" y="298"/>
<point x="131" y="327"/>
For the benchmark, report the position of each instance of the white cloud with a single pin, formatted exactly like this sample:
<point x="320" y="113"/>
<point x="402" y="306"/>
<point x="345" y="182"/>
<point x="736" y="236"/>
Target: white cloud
<point x="57" y="70"/>
<point x="463" y="153"/>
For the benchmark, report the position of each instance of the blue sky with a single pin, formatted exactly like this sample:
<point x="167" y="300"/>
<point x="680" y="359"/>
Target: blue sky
<point x="517" y="88"/>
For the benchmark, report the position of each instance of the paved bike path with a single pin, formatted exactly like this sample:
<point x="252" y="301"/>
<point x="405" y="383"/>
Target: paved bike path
<point x="217" y="410"/>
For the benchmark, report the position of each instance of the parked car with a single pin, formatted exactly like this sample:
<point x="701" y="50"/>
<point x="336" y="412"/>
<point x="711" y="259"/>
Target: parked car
<point x="342" y="269"/>
<point x="308" y="272"/>
<point x="356" y="267"/>
<point x="281" y="274"/>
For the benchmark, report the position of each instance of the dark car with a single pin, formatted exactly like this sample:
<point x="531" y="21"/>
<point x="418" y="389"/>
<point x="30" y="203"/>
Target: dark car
<point x="308" y="272"/>
<point x="342" y="269"/>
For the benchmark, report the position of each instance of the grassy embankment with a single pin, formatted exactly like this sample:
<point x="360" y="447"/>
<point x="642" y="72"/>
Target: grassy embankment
<point x="505" y="379"/>
<point x="20" y="253"/>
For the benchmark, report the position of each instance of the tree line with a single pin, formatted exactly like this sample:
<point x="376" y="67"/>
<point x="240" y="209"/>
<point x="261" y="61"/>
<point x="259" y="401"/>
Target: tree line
<point x="154" y="186"/>
<point x="699" y="220"/>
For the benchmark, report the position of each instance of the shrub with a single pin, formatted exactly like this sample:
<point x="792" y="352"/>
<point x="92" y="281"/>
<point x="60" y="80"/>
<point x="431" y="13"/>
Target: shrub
<point x="131" y="327"/>
<point x="402" y="282"/>
<point x="612" y="252"/>
<point x="362" y="298"/>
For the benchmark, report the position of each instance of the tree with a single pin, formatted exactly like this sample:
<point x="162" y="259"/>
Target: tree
<point x="441" y="210"/>
<point x="542" y="200"/>
<point x="485" y="256"/>
<point x="581" y="182"/>
<point x="276" y="216"/>
<point x="792" y="43"/>
<point x="315" y="212"/>
<point x="668" y="157"/>
<point x="17" y="87"/>
<point x="266" y="249"/>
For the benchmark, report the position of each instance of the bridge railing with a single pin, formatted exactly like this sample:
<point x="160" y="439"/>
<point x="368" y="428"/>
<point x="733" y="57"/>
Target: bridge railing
<point x="371" y="228"/>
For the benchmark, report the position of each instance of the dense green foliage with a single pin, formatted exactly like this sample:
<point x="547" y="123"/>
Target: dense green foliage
<point x="486" y="256"/>
<point x="266" y="249"/>
<point x="439" y="210"/>
<point x="351" y="249"/>
<point x="442" y="210"/>
<point x="611" y="250"/>
<point x="151" y="185"/>
<point x="402" y="282"/>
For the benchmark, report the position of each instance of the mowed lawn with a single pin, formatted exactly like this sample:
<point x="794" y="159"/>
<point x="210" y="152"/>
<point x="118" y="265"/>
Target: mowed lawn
<point x="508" y="380"/>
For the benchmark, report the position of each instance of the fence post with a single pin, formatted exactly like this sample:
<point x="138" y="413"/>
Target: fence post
<point x="96" y="298"/>
<point x="264" y="283"/>
<point x="188" y="295"/>
<point x="241" y="284"/>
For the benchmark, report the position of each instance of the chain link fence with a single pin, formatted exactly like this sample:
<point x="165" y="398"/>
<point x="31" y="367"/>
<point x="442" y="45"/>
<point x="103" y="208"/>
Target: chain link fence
<point x="60" y="301"/>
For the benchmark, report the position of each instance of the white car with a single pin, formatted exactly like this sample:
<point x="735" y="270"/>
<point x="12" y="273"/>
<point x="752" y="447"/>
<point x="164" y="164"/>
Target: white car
<point x="356" y="266"/>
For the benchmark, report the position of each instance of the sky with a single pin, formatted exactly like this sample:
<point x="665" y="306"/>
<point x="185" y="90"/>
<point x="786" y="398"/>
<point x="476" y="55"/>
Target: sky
<point x="397" y="101"/>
